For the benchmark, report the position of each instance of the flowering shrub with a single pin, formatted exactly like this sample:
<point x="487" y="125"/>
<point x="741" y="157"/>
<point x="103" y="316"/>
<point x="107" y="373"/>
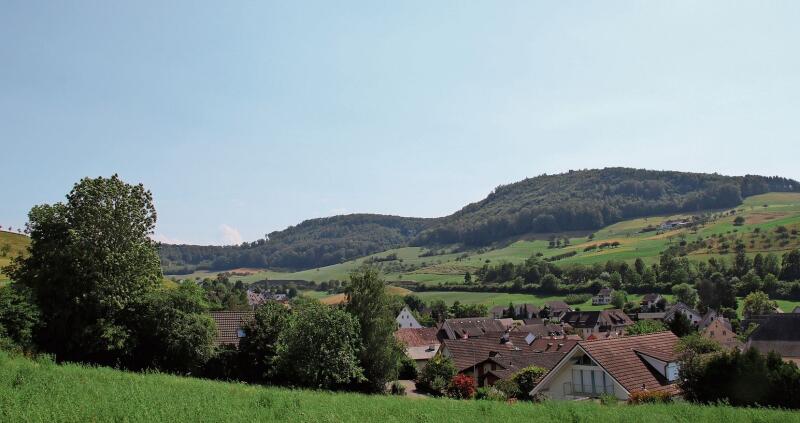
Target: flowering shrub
<point x="461" y="387"/>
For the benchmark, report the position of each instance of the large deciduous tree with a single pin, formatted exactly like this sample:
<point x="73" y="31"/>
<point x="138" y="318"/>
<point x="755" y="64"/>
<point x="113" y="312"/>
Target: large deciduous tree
<point x="259" y="347"/>
<point x="319" y="347"/>
<point x="374" y="308"/>
<point x="90" y="260"/>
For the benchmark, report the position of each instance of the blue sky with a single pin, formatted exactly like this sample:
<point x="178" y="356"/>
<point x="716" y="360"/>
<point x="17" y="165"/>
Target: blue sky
<point x="246" y="117"/>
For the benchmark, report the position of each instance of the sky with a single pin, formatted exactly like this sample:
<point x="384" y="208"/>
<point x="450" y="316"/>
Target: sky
<point x="246" y="117"/>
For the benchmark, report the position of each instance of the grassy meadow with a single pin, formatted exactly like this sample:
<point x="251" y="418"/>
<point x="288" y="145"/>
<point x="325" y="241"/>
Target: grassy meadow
<point x="17" y="244"/>
<point x="765" y="212"/>
<point x="75" y="393"/>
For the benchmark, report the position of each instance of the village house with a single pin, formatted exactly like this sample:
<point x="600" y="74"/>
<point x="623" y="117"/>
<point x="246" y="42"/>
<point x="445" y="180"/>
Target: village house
<point x="497" y="312"/>
<point x="693" y="315"/>
<point x="615" y="366"/>
<point x="471" y="327"/>
<point x="607" y="322"/>
<point x="405" y="319"/>
<point x="603" y="297"/>
<point x="719" y="329"/>
<point x="499" y="355"/>
<point x="779" y="333"/>
<point x="556" y="309"/>
<point x="230" y="326"/>
<point x="421" y="344"/>
<point x="650" y="302"/>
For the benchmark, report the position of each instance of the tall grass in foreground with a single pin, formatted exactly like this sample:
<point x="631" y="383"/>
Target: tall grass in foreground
<point x="41" y="391"/>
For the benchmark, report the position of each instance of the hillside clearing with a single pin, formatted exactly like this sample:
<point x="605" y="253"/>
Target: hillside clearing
<point x="74" y="393"/>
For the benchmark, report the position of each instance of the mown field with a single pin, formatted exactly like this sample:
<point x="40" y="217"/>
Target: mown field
<point x="40" y="391"/>
<point x="762" y="212"/>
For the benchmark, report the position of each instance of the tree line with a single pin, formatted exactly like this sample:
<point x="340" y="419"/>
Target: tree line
<point x="90" y="290"/>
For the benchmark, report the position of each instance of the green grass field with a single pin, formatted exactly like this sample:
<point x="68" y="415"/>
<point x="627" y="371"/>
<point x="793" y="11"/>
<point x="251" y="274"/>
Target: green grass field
<point x="781" y="209"/>
<point x="40" y="391"/>
<point x="492" y="299"/>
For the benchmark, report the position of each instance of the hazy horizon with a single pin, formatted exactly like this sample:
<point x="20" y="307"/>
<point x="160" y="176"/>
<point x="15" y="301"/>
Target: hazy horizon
<point x="243" y="119"/>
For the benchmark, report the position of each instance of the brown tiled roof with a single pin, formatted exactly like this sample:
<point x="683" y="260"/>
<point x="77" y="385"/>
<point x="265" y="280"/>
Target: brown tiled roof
<point x="467" y="352"/>
<point x="542" y="330"/>
<point x="470" y="326"/>
<point x="558" y="306"/>
<point x="228" y="325"/>
<point x="619" y="357"/>
<point x="421" y="337"/>
<point x="779" y="333"/>
<point x="588" y="319"/>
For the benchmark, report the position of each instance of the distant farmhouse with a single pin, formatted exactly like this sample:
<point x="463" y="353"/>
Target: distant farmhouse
<point x="603" y="297"/>
<point x="407" y="320"/>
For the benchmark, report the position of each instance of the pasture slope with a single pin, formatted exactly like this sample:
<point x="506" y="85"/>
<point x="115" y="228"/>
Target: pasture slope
<point x="762" y="213"/>
<point x="17" y="243"/>
<point x="40" y="391"/>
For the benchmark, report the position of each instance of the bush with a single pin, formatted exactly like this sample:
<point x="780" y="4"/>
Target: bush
<point x="509" y="388"/>
<point x="649" y="397"/>
<point x="461" y="387"/>
<point x="577" y="298"/>
<point x="408" y="368"/>
<point x="398" y="388"/>
<point x="527" y="379"/>
<point x="490" y="394"/>
<point x="436" y="375"/>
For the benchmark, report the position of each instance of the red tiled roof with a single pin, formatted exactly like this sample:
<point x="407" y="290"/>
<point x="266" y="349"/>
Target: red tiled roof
<point x="421" y="337"/>
<point x="467" y="352"/>
<point x="619" y="357"/>
<point x="228" y="325"/>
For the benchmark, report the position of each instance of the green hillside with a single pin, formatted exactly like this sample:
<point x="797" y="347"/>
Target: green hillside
<point x="762" y="215"/>
<point x="573" y="202"/>
<point x="16" y="243"/>
<point x="74" y="393"/>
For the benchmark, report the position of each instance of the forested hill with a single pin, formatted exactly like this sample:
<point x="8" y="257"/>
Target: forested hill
<point x="576" y="200"/>
<point x="312" y="243"/>
<point x="591" y="199"/>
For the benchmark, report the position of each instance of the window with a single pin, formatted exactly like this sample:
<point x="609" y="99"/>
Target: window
<point x="240" y="333"/>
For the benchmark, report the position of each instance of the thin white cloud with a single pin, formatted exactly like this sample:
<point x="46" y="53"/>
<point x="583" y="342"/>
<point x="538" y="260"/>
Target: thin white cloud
<point x="230" y="235"/>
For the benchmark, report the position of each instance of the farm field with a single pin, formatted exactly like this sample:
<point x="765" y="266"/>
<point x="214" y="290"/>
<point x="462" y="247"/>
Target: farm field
<point x="75" y="393"/>
<point x="492" y="299"/>
<point x="763" y="213"/>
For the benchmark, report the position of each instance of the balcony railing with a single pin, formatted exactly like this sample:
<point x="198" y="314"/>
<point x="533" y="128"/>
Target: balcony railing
<point x="580" y="390"/>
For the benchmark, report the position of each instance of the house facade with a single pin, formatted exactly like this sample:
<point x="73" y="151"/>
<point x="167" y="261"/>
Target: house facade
<point x="603" y="297"/>
<point x="407" y="320"/>
<point x="693" y="315"/>
<point x="719" y="329"/>
<point x="617" y="366"/>
<point x="650" y="302"/>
